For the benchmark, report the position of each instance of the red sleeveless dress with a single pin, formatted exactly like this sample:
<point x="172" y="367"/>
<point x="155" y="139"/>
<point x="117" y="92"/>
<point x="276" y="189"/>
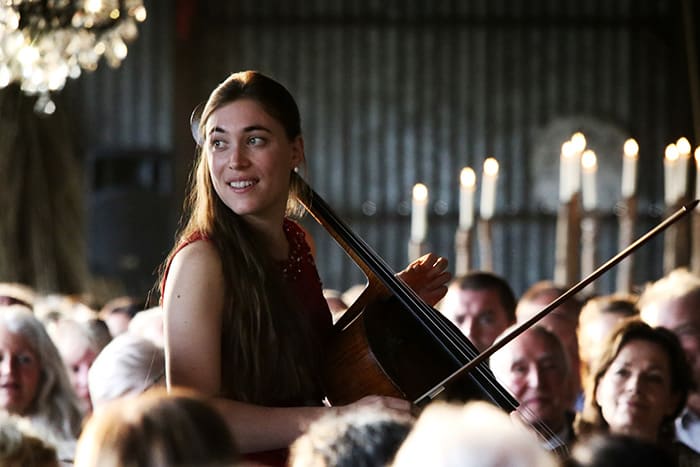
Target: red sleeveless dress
<point x="303" y="282"/>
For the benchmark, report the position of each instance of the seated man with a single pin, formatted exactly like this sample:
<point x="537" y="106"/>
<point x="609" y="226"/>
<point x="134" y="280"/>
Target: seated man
<point x="673" y="302"/>
<point x="562" y="321"/>
<point x="482" y="305"/>
<point x="534" y="367"/>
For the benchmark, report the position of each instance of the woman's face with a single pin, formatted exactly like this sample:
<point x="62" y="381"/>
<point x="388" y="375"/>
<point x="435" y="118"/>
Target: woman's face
<point x="635" y="392"/>
<point x="250" y="159"/>
<point x="20" y="371"/>
<point x="78" y="357"/>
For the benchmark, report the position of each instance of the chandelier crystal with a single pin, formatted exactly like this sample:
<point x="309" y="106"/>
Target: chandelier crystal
<point x="45" y="42"/>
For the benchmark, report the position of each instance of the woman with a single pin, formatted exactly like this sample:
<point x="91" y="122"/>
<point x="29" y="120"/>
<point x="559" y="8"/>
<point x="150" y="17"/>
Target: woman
<point x="156" y="429"/>
<point x="128" y="365"/>
<point x="638" y="386"/>
<point x="33" y="380"/>
<point x="245" y="317"/>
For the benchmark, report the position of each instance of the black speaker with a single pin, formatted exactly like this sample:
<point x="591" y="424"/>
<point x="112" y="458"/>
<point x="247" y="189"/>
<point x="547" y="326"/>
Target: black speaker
<point x="131" y="218"/>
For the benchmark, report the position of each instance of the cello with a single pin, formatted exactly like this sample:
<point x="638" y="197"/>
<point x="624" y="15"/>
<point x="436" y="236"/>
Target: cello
<point x="390" y="342"/>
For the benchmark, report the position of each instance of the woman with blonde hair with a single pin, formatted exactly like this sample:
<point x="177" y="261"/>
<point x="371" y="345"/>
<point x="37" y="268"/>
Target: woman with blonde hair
<point x="33" y="380"/>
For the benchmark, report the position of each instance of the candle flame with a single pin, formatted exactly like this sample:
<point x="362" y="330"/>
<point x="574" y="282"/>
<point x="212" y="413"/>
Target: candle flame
<point x="420" y="192"/>
<point x="631" y="148"/>
<point x="467" y="177"/>
<point x="578" y="141"/>
<point x="491" y="167"/>
<point x="683" y="145"/>
<point x="589" y="162"/>
<point x="671" y="153"/>
<point x="697" y="158"/>
<point x="568" y="150"/>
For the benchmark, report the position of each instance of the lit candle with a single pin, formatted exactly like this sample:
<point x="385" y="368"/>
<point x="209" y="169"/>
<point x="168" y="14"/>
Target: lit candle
<point x="566" y="158"/>
<point x="467" y="186"/>
<point x="670" y="163"/>
<point x="589" y="167"/>
<point x="488" y="188"/>
<point x="684" y="150"/>
<point x="697" y="174"/>
<point x="578" y="141"/>
<point x="419" y="213"/>
<point x="629" y="168"/>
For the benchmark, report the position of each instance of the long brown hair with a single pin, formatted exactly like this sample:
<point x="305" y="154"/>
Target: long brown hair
<point x="266" y="346"/>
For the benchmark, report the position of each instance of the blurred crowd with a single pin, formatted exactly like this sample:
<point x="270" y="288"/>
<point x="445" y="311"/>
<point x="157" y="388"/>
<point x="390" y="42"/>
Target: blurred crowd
<point x="600" y="380"/>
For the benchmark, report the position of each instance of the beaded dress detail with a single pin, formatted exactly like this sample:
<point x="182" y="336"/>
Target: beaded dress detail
<point x="301" y="276"/>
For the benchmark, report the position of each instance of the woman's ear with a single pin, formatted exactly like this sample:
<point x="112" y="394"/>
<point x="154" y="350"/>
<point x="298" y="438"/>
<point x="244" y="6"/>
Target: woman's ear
<point x="673" y="402"/>
<point x="298" y="156"/>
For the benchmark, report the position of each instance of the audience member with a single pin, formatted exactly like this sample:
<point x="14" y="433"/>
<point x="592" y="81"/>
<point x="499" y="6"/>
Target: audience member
<point x="639" y="385"/>
<point x="481" y="304"/>
<point x="149" y="325"/>
<point x="156" y="429"/>
<point x="598" y="318"/>
<point x="562" y="321"/>
<point x="474" y="435"/>
<point x="674" y="303"/>
<point x="128" y="365"/>
<point x="78" y="348"/>
<point x="21" y="447"/>
<point x="366" y="437"/>
<point x="49" y="307"/>
<point x="118" y="312"/>
<point x="13" y="293"/>
<point x="33" y="380"/>
<point x="534" y="367"/>
<point x="619" y="451"/>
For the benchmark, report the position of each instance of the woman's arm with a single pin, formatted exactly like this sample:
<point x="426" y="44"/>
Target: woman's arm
<point x="193" y="302"/>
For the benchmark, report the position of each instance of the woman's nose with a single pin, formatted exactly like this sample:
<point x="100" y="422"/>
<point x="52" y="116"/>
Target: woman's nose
<point x="6" y="365"/>
<point x="238" y="158"/>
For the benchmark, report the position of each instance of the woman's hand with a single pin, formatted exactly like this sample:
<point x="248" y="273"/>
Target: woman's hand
<point x="428" y="276"/>
<point x="380" y="403"/>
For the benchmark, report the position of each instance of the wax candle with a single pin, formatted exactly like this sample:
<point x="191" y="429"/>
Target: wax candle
<point x="697" y="175"/>
<point x="629" y="168"/>
<point x="467" y="186"/>
<point x="488" y="188"/>
<point x="567" y="157"/>
<point x="589" y="167"/>
<point x="670" y="164"/>
<point x="684" y="150"/>
<point x="419" y="213"/>
<point x="579" y="145"/>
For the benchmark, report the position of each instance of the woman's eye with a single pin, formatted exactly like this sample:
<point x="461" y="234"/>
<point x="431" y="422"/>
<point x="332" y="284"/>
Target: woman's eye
<point x="654" y="378"/>
<point x="25" y="359"/>
<point x="255" y="141"/>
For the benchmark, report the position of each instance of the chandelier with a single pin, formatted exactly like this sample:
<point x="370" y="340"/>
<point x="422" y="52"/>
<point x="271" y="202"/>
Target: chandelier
<point x="45" y="42"/>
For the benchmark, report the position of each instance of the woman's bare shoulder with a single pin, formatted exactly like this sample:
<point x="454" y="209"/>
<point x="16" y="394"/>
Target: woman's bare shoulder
<point x="195" y="276"/>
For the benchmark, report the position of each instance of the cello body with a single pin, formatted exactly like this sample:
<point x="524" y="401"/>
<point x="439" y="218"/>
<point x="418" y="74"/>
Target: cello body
<point x="392" y="343"/>
<point x="385" y="351"/>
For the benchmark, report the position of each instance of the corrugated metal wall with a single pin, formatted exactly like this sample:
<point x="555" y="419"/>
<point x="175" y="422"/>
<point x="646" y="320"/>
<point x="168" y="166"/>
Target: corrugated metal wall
<point x="397" y="92"/>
